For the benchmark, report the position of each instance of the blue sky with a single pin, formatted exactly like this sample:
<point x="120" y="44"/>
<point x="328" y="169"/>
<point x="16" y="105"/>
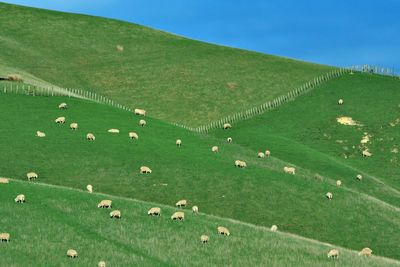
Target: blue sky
<point x="334" y="32"/>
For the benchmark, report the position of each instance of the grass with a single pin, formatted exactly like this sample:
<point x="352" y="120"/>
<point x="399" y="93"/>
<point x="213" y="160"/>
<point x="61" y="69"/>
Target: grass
<point x="61" y="218"/>
<point x="174" y="78"/>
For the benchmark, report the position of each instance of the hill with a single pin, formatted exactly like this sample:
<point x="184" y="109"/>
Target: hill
<point x="176" y="79"/>
<point x="54" y="219"/>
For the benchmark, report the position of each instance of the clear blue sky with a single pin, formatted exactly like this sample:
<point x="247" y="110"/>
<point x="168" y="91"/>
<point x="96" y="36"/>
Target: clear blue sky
<point x="335" y="32"/>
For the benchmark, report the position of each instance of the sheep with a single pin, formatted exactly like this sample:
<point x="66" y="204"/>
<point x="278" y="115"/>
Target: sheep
<point x="181" y="203"/>
<point x="105" y="204"/>
<point x="333" y="253"/>
<point x="340" y="102"/>
<point x="4" y="180"/>
<point x="90" y="137"/>
<point x="142" y="123"/>
<point x="240" y="164"/>
<point x="89" y="188"/>
<point x="145" y="169"/>
<point x="329" y="195"/>
<point x="140" y="112"/>
<point x="20" y="199"/>
<point x="274" y="228"/>
<point x="229" y="140"/>
<point x="31" y="175"/>
<point x="195" y="209"/>
<point x="227" y="126"/>
<point x="261" y="155"/>
<point x="40" y="134"/>
<point x="113" y="130"/>
<point x="101" y="264"/>
<point x="71" y="253"/>
<point x="178" y="142"/>
<point x="204" y="239"/>
<point x="365" y="252"/>
<point x="63" y="106"/>
<point x="115" y="214"/>
<point x="223" y="231"/>
<point x="60" y="120"/>
<point x="214" y="149"/>
<point x="366" y="153"/>
<point x="120" y="48"/>
<point x="156" y="211"/>
<point x="5" y="237"/>
<point x="289" y="170"/>
<point x="133" y="135"/>
<point x="179" y="215"/>
<point x="338" y="183"/>
<point x="73" y="126"/>
<point x="267" y="153"/>
<point x="14" y="78"/>
<point x="359" y="177"/>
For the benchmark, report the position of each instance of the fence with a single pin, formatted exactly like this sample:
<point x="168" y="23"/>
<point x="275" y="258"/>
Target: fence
<point x="373" y="69"/>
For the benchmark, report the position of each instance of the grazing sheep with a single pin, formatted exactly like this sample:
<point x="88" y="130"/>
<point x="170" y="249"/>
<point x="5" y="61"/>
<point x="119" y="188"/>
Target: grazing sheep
<point x="101" y="264"/>
<point x="365" y="252"/>
<point x="60" y="120"/>
<point x="40" y="134"/>
<point x="20" y="198"/>
<point x="178" y="142"/>
<point x="274" y="228"/>
<point x="115" y="214"/>
<point x="4" y="180"/>
<point x="223" y="231"/>
<point x="71" y="253"/>
<point x="90" y="137"/>
<point x="366" y="153"/>
<point x="240" y="164"/>
<point x="140" y="112"/>
<point x="229" y="140"/>
<point x="73" y="126"/>
<point x="120" y="48"/>
<point x="340" y="102"/>
<point x="181" y="203"/>
<point x="359" y="177"/>
<point x="142" y="123"/>
<point x="113" y="131"/>
<point x="179" y="215"/>
<point x="338" y="183"/>
<point x="5" y="237"/>
<point x="195" y="209"/>
<point x="227" y="126"/>
<point x="261" y="155"/>
<point x="333" y="253"/>
<point x="290" y="170"/>
<point x="145" y="169"/>
<point x="14" y="78"/>
<point x="156" y="211"/>
<point x="214" y="149"/>
<point x="204" y="239"/>
<point x="31" y="175"/>
<point x="267" y="153"/>
<point x="89" y="188"/>
<point x="105" y="204"/>
<point x="63" y="106"/>
<point x="133" y="135"/>
<point x="329" y="195"/>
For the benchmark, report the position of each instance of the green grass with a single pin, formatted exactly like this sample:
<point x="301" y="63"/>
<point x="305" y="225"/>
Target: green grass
<point x="54" y="219"/>
<point x="260" y="194"/>
<point x="174" y="78"/>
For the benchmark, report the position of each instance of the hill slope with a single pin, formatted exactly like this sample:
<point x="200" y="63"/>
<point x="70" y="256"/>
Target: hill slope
<point x="174" y="78"/>
<point x="60" y="219"/>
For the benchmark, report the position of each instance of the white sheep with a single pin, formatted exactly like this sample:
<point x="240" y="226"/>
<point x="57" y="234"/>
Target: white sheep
<point x="113" y="130"/>
<point x="20" y="198"/>
<point x="204" y="239"/>
<point x="40" y="134"/>
<point x="267" y="153"/>
<point x="329" y="195"/>
<point x="274" y="228"/>
<point x="4" y="237"/>
<point x="101" y="264"/>
<point x="223" y="231"/>
<point x="155" y="211"/>
<point x="90" y="137"/>
<point x="227" y="126"/>
<point x="133" y="135"/>
<point x="359" y="177"/>
<point x="366" y="153"/>
<point x="365" y="252"/>
<point x="338" y="183"/>
<point x="89" y="188"/>
<point x="181" y="203"/>
<point x="31" y="175"/>
<point x="60" y="120"/>
<point x="261" y="155"/>
<point x="4" y="180"/>
<point x="63" y="106"/>
<point x="333" y="253"/>
<point x="106" y="203"/>
<point x="290" y="170"/>
<point x="214" y="149"/>
<point x="71" y="253"/>
<point x="115" y="214"/>
<point x="195" y="209"/>
<point x="179" y="215"/>
<point x="145" y="169"/>
<point x="142" y="123"/>
<point x="229" y="140"/>
<point x="178" y="142"/>
<point x="240" y="164"/>
<point x="73" y="126"/>
<point x="340" y="102"/>
<point x="140" y="112"/>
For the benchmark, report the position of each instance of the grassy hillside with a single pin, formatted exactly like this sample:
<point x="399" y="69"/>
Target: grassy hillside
<point x="55" y="219"/>
<point x="174" y="78"/>
<point x="260" y="194"/>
